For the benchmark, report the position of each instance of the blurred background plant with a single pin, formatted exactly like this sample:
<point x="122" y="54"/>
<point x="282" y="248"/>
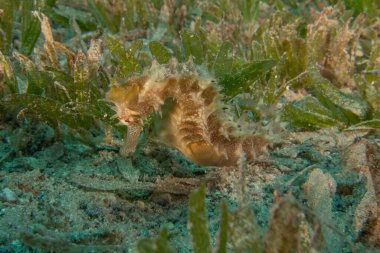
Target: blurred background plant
<point x="290" y="229"/>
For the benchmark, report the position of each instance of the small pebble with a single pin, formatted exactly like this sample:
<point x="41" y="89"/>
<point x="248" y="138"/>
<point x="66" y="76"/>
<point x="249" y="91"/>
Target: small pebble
<point x="170" y="226"/>
<point x="8" y="195"/>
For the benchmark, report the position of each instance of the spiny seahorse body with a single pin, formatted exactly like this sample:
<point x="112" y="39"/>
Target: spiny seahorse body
<point x="195" y="124"/>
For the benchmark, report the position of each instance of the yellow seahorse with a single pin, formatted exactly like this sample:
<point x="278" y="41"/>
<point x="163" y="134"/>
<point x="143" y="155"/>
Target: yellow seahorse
<point x="195" y="124"/>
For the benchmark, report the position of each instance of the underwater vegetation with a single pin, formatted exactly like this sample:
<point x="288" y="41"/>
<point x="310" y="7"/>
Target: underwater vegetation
<point x="282" y="96"/>
<point x="282" y="55"/>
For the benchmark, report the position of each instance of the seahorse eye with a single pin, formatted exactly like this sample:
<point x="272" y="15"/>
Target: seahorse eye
<point x="125" y="120"/>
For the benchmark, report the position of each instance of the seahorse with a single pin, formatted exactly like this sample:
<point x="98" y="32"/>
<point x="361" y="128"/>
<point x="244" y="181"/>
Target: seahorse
<point x="195" y="124"/>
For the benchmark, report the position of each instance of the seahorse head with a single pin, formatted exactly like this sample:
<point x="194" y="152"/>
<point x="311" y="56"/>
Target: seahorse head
<point x="125" y="97"/>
